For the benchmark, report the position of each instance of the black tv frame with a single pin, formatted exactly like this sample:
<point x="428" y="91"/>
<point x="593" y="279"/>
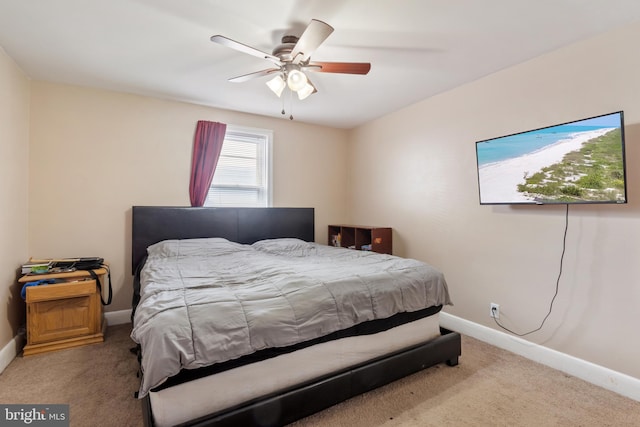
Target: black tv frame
<point x="560" y="202"/>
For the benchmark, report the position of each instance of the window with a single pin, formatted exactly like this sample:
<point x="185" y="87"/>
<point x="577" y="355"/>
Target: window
<point x="243" y="175"/>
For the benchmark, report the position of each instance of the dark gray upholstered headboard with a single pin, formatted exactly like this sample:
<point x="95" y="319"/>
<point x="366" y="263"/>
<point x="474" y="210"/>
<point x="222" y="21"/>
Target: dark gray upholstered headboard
<point x="152" y="224"/>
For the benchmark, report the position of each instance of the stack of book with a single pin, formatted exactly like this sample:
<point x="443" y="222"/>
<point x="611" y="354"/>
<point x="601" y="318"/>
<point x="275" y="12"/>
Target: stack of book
<point x="36" y="267"/>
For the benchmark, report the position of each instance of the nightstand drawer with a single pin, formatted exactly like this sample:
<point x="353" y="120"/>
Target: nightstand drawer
<point x="60" y="290"/>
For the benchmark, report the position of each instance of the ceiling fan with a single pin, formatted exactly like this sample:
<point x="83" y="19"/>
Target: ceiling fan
<point x="292" y="59"/>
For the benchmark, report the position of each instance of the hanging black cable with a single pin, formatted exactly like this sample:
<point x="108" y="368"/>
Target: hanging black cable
<point x="564" y="246"/>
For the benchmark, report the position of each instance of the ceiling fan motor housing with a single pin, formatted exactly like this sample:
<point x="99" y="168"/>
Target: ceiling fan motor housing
<point x="283" y="51"/>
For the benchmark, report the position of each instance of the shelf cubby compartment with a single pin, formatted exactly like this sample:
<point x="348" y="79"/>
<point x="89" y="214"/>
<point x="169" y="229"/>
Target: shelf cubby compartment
<point x="357" y="236"/>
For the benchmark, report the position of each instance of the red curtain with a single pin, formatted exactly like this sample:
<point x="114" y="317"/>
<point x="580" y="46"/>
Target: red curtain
<point x="207" y="144"/>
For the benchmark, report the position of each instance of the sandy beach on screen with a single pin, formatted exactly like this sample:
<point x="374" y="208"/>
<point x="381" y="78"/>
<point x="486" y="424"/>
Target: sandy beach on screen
<point x="499" y="181"/>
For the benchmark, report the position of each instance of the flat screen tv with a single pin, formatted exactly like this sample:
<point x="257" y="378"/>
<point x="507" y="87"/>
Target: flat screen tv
<point x="582" y="161"/>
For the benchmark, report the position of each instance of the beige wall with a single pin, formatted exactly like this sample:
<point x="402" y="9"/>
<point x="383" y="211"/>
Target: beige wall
<point x="14" y="166"/>
<point x="94" y="154"/>
<point x="415" y="170"/>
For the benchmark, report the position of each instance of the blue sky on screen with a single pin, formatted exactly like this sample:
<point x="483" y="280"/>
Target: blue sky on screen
<point x="610" y="120"/>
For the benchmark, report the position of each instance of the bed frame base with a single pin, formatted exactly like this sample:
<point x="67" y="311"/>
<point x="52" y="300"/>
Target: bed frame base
<point x="306" y="399"/>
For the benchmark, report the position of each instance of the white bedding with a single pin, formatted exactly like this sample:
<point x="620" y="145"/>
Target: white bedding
<point x="205" y="301"/>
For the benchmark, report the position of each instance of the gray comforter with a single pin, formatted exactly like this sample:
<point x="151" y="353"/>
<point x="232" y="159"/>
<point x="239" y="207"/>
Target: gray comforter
<point x="205" y="301"/>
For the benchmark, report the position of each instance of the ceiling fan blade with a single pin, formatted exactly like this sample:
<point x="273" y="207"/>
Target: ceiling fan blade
<point x="225" y="41"/>
<point x="254" y="75"/>
<point x="312" y="37"/>
<point x="339" y="67"/>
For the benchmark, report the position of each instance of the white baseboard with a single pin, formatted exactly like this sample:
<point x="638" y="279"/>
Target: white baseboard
<point x="617" y="382"/>
<point x="11" y="350"/>
<point x="117" y="317"/>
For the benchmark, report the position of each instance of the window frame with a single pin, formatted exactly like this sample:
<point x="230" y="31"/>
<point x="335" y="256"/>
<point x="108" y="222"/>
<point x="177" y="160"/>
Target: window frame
<point x="263" y="137"/>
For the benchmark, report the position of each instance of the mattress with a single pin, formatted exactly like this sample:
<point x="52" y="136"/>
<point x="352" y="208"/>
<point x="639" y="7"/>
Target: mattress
<point x="232" y="388"/>
<point x="366" y="328"/>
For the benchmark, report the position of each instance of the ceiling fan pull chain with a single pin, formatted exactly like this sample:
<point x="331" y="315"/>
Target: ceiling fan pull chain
<point x="291" y="104"/>
<point x="282" y="99"/>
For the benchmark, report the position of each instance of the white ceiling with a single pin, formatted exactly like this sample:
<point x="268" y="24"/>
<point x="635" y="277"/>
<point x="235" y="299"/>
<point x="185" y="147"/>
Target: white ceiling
<point x="417" y="48"/>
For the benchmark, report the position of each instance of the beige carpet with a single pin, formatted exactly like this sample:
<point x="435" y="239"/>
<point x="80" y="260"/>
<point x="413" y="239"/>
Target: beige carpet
<point x="490" y="387"/>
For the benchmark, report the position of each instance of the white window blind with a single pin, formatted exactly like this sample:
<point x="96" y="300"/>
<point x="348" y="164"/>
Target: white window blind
<point x="242" y="176"/>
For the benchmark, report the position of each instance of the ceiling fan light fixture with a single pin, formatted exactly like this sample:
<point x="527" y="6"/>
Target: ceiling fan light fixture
<point x="277" y="85"/>
<point x="296" y="80"/>
<point x="306" y="90"/>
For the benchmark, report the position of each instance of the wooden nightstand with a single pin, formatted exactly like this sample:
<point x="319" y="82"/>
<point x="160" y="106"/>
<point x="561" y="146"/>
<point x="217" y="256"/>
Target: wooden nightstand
<point x="63" y="315"/>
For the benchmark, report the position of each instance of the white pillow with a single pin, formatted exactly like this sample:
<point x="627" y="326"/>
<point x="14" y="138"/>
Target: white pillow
<point x="169" y="248"/>
<point x="285" y="246"/>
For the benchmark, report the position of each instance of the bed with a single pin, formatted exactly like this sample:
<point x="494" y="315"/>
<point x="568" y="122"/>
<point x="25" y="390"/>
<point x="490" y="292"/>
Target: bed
<point x="273" y="378"/>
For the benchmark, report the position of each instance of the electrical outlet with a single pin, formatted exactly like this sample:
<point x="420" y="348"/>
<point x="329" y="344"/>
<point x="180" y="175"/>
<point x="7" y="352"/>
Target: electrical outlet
<point x="494" y="310"/>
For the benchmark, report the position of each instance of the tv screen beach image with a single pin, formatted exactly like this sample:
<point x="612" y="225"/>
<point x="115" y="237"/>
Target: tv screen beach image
<point x="576" y="162"/>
